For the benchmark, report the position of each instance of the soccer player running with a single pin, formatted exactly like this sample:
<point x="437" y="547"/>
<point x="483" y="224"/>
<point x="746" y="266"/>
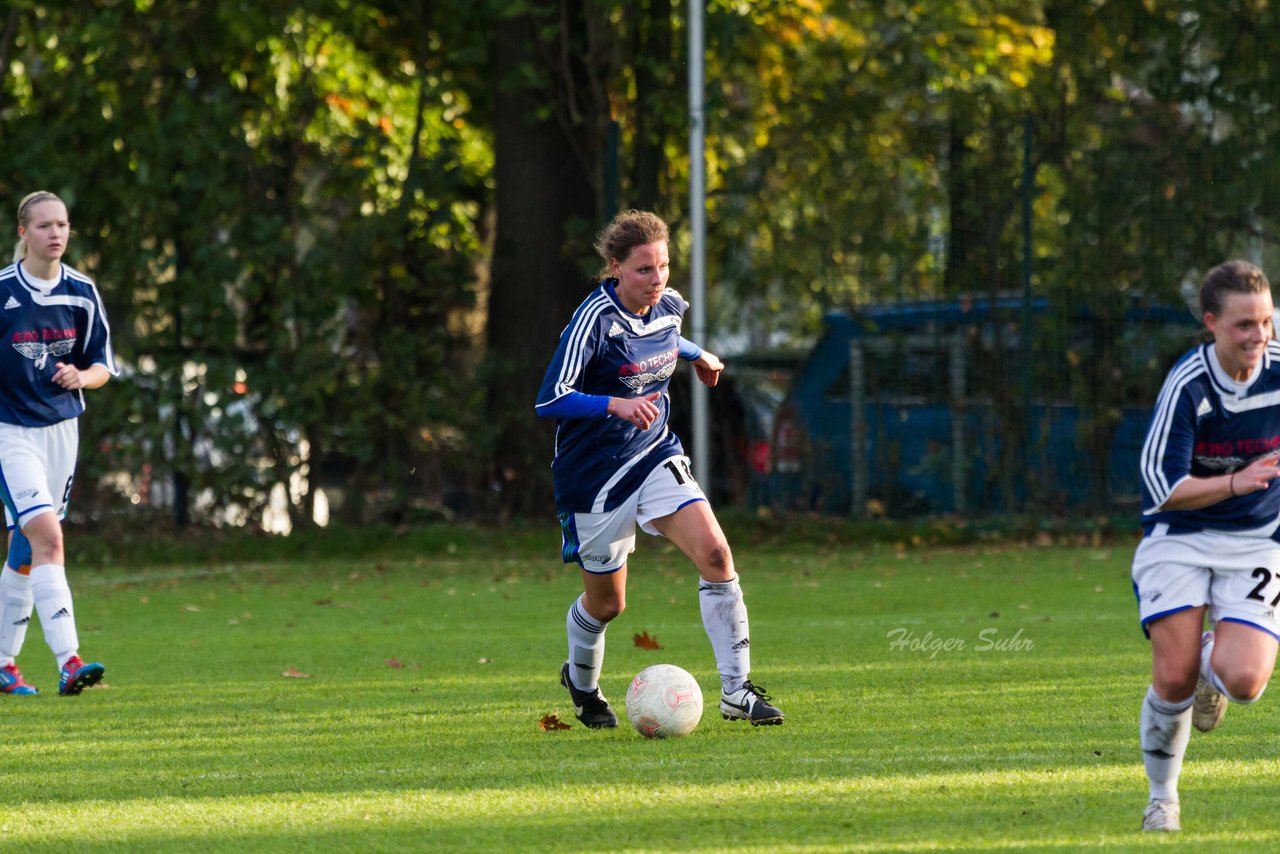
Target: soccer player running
<point x="618" y="465"/>
<point x="55" y="344"/>
<point x="1211" y="518"/>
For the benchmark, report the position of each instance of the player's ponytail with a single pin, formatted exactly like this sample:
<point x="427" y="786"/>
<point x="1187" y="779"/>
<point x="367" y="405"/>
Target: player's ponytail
<point x="24" y="217"/>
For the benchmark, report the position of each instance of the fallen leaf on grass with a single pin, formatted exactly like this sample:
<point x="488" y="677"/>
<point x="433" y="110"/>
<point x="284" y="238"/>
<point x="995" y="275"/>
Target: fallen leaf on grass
<point x="551" y="722"/>
<point x="295" y="673"/>
<point x="191" y="607"/>
<point x="645" y="642"/>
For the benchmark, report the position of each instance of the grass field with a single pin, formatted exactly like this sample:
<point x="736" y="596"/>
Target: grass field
<point x="976" y="698"/>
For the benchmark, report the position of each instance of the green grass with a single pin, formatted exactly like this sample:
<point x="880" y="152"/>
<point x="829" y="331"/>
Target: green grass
<point x="198" y="743"/>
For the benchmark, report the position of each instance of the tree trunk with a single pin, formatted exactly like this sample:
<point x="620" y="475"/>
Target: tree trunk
<point x="547" y="163"/>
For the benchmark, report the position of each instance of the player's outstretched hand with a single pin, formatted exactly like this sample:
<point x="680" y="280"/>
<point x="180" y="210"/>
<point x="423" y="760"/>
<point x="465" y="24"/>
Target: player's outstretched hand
<point x="708" y="366"/>
<point x="640" y="411"/>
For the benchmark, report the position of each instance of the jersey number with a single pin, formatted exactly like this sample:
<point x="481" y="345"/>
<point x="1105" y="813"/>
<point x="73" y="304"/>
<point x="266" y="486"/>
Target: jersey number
<point x="679" y="470"/>
<point x="1256" y="593"/>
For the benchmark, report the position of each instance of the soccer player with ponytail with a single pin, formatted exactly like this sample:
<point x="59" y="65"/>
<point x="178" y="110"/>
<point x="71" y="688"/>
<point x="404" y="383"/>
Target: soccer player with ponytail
<point x="55" y="344"/>
<point x="1211" y="522"/>
<point x="618" y="465"/>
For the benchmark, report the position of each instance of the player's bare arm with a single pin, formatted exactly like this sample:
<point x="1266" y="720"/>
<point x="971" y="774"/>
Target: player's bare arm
<point x="1196" y="492"/>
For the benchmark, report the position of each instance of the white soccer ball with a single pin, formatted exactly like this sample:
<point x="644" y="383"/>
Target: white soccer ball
<point x="664" y="701"/>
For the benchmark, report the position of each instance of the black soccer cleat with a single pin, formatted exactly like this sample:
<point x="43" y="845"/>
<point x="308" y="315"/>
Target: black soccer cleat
<point x="590" y="706"/>
<point x="750" y="703"/>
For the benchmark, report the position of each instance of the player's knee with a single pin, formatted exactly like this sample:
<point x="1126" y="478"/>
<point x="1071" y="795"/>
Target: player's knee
<point x="612" y="611"/>
<point x="45" y="542"/>
<point x="718" y="562"/>
<point x="1245" y="687"/>
<point x="609" y="609"/>
<point x="1174" y="681"/>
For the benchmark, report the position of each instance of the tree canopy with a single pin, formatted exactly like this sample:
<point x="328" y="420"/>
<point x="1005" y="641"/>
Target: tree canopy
<point x="337" y="238"/>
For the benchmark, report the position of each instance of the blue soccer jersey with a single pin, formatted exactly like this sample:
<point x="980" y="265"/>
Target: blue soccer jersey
<point x="1206" y="424"/>
<point x="607" y="351"/>
<point x="41" y="328"/>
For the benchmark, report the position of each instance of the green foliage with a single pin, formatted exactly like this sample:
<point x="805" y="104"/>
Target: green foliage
<point x="293" y="209"/>
<point x="284" y="209"/>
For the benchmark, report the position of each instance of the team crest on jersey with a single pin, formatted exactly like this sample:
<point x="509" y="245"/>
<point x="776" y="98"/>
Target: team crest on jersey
<point x="637" y="382"/>
<point x="40" y="351"/>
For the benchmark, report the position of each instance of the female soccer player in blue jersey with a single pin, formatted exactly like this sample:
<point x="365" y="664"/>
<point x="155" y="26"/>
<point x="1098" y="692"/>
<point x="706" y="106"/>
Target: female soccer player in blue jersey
<point x="618" y="465"/>
<point x="55" y="344"/>
<point x="1211" y="518"/>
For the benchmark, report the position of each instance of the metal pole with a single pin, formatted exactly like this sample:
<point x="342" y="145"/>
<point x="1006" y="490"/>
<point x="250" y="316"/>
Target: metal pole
<point x="1028" y="180"/>
<point x="698" y="226"/>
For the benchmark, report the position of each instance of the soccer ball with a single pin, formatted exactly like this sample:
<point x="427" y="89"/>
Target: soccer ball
<point x="664" y="701"/>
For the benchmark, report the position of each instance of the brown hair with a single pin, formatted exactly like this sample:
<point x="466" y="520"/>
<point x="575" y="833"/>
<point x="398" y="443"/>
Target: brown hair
<point x="625" y="232"/>
<point x="24" y="216"/>
<point x="1231" y="277"/>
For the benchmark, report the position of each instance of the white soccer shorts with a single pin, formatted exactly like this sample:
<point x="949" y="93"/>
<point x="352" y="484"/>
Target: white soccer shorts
<point x="37" y="465"/>
<point x="601" y="542"/>
<point x="1238" y="578"/>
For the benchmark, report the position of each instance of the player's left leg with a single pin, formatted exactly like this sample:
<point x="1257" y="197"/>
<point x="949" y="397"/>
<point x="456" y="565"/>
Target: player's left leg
<point x="1239" y="655"/>
<point x="53" y="603"/>
<point x="1242" y="659"/>
<point x="56" y="447"/>
<point x="696" y="532"/>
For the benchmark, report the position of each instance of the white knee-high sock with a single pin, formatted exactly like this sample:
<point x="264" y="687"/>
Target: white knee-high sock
<point x="1164" y="730"/>
<point x="724" y="616"/>
<point x="53" y="604"/>
<point x="1206" y="657"/>
<point x="15" y="612"/>
<point x="586" y="646"/>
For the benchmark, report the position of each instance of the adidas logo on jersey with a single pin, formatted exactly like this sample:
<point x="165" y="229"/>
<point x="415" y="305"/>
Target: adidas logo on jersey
<point x="1204" y="408"/>
<point x="615" y="330"/>
<point x="12" y="303"/>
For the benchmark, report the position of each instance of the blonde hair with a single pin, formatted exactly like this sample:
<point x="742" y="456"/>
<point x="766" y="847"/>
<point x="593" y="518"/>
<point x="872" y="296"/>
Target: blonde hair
<point x="628" y="230"/>
<point x="29" y="201"/>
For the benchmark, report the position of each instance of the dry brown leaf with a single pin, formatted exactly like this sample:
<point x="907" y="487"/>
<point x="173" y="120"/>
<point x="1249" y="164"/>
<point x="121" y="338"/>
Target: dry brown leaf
<point x="295" y="673"/>
<point x="645" y="642"/>
<point x="551" y="722"/>
<point x="394" y="663"/>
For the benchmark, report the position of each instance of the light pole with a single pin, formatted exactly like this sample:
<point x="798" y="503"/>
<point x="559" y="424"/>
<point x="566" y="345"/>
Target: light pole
<point x="698" y="227"/>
